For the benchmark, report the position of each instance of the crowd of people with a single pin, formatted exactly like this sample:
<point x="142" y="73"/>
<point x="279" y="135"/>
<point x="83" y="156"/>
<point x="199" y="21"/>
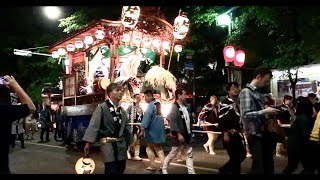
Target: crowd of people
<point x="248" y="122"/>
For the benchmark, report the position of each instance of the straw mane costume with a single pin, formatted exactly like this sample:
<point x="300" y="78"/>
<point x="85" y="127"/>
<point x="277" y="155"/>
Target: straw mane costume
<point x="161" y="80"/>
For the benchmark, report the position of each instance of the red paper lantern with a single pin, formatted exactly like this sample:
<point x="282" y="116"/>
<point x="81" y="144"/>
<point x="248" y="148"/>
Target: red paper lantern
<point x="228" y="53"/>
<point x="239" y="58"/>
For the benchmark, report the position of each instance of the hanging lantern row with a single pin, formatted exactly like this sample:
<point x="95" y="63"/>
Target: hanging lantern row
<point x="130" y="16"/>
<point x="88" y="41"/>
<point x="230" y="55"/>
<point x="141" y="40"/>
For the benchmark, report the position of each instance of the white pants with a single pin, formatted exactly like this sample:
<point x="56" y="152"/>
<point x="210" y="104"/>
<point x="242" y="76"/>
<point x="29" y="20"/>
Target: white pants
<point x="173" y="153"/>
<point x="31" y="126"/>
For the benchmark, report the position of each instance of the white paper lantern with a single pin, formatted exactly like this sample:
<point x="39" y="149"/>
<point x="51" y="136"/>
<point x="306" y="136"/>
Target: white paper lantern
<point x="144" y="50"/>
<point x="70" y="48"/>
<point x="88" y="40"/>
<point x="181" y="27"/>
<point x="130" y="16"/>
<point x="136" y="40"/>
<point x="78" y="44"/>
<point x="156" y="43"/>
<point x="62" y="52"/>
<point x="166" y="45"/>
<point x="126" y="38"/>
<point x="85" y="166"/>
<point x="55" y="54"/>
<point x="178" y="48"/>
<point x="147" y="42"/>
<point x="100" y="34"/>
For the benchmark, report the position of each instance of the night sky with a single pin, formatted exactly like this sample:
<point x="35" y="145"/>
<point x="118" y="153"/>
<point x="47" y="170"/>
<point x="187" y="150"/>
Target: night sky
<point x="17" y="25"/>
<point x="20" y="23"/>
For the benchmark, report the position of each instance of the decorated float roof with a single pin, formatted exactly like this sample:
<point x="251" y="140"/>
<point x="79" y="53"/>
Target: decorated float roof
<point x="80" y="35"/>
<point x="148" y="27"/>
<point x="152" y="31"/>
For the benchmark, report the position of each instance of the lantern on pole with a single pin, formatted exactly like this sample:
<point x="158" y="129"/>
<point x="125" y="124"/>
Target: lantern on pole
<point x="239" y="58"/>
<point x="178" y="49"/>
<point x="228" y="53"/>
<point x="130" y="16"/>
<point x="181" y="26"/>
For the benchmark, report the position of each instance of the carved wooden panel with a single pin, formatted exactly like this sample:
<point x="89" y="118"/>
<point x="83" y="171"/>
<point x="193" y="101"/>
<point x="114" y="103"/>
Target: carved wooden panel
<point x="69" y="86"/>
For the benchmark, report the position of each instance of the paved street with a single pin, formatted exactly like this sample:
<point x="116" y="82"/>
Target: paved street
<point x="51" y="158"/>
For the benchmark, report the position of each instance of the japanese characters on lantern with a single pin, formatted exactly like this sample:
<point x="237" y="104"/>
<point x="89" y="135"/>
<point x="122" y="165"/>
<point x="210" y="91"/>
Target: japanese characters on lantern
<point x="181" y="27"/>
<point x="130" y="16"/>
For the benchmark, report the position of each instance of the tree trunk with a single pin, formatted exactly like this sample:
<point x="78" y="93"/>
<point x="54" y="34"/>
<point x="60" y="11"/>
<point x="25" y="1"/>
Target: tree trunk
<point x="293" y="82"/>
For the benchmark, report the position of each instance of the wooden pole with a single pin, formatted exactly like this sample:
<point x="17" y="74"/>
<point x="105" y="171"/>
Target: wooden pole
<point x="112" y="62"/>
<point x="162" y="60"/>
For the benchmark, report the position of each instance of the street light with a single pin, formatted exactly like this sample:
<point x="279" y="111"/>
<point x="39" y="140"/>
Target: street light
<point x="28" y="53"/>
<point x="224" y="20"/>
<point x="19" y="52"/>
<point x="52" y="12"/>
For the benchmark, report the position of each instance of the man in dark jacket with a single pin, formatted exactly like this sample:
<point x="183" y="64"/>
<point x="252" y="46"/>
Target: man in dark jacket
<point x="180" y="121"/>
<point x="9" y="114"/>
<point x="229" y="124"/>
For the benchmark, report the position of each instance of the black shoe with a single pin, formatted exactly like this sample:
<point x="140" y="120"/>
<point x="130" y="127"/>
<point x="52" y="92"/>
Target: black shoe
<point x="224" y="171"/>
<point x="41" y="141"/>
<point x="23" y="147"/>
<point x="48" y="140"/>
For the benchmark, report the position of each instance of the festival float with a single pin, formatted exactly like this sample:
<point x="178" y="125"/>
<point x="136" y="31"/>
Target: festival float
<point x="131" y="51"/>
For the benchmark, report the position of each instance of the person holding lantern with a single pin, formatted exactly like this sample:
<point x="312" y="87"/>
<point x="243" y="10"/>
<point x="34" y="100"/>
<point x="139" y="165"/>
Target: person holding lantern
<point x="109" y="125"/>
